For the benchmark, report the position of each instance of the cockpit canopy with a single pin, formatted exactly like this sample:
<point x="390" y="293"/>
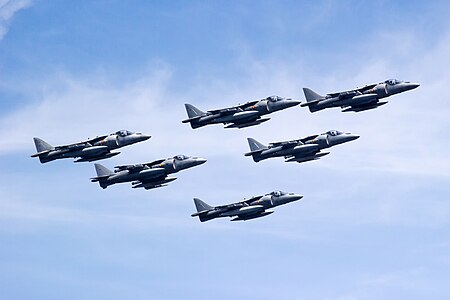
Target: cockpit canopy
<point x="334" y="132"/>
<point x="180" y="157"/>
<point x="277" y="193"/>
<point x="124" y="133"/>
<point x="392" y="81"/>
<point x="274" y="98"/>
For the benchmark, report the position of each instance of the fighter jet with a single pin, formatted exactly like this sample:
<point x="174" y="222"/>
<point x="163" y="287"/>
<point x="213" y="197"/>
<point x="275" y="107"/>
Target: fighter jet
<point x="89" y="150"/>
<point x="359" y="99"/>
<point x="252" y="208"/>
<point x="240" y="116"/>
<point x="148" y="175"/>
<point x="300" y="150"/>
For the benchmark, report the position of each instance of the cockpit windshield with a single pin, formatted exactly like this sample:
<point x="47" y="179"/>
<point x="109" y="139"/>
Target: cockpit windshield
<point x="392" y="81"/>
<point x="274" y="98"/>
<point x="180" y="157"/>
<point x="277" y="193"/>
<point x="123" y="132"/>
<point x="334" y="132"/>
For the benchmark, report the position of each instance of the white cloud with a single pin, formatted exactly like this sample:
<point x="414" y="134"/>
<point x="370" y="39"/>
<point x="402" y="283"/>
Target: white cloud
<point x="8" y="8"/>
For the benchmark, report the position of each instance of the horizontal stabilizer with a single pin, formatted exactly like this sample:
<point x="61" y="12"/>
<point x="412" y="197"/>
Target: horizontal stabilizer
<point x="253" y="152"/>
<point x="191" y="119"/>
<point x="199" y="213"/>
<point x="40" y="153"/>
<point x="309" y="103"/>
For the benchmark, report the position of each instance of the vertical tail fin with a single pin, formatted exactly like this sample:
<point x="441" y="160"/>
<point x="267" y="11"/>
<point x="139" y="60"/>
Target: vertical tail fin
<point x="255" y="145"/>
<point x="193" y="111"/>
<point x="310" y="95"/>
<point x="201" y="206"/>
<point x="255" y="149"/>
<point x="102" y="175"/>
<point x="42" y="145"/>
<point x="102" y="171"/>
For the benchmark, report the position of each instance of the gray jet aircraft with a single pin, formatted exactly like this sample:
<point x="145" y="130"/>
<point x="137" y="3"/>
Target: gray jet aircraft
<point x="148" y="175"/>
<point x="300" y="150"/>
<point x="89" y="150"/>
<point x="252" y="208"/>
<point x="240" y="116"/>
<point x="359" y="99"/>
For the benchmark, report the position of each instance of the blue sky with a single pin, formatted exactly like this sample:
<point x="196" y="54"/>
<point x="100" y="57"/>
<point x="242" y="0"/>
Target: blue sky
<point x="374" y="220"/>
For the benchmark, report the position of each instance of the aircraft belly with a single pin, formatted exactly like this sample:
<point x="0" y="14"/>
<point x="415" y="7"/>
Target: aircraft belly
<point x="65" y="154"/>
<point x="247" y="210"/>
<point x="210" y="119"/>
<point x="118" y="178"/>
<point x="152" y="173"/>
<point x="299" y="150"/>
<point x="225" y="119"/>
<point x="328" y="103"/>
<point x="363" y="99"/>
<point x="239" y="117"/>
<point x="253" y="216"/>
<point x="94" y="151"/>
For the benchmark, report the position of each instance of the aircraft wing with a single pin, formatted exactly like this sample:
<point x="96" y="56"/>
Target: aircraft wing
<point x="346" y="94"/>
<point x="286" y="144"/>
<point x="131" y="168"/>
<point x="96" y="139"/>
<point x="72" y="147"/>
<point x="308" y="138"/>
<point x="233" y="109"/>
<point x="252" y="199"/>
<point x="237" y="205"/>
<point x="248" y="104"/>
<point x="82" y="144"/>
<point x="154" y="163"/>
<point x="294" y="143"/>
<point x="225" y="111"/>
<point x="366" y="88"/>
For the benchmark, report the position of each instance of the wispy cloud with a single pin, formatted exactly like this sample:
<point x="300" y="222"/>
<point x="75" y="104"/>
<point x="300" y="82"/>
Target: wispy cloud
<point x="8" y="8"/>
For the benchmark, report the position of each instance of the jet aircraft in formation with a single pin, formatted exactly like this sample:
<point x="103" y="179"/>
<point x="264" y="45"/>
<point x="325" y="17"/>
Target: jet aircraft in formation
<point x="148" y="175"/>
<point x="299" y="150"/>
<point x="156" y="174"/>
<point x="89" y="150"/>
<point x="240" y="116"/>
<point x="252" y="208"/>
<point x="359" y="99"/>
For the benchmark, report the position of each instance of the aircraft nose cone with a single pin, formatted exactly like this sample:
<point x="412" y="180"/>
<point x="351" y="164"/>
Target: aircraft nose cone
<point x="295" y="197"/>
<point x="351" y="137"/>
<point x="200" y="160"/>
<point x="144" y="137"/>
<point x="414" y="85"/>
